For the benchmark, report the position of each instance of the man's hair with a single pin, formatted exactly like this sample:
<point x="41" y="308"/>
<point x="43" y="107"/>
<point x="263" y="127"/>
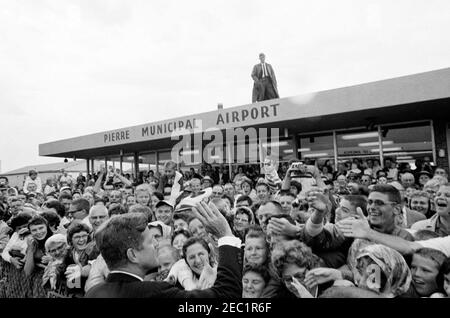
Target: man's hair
<point x="407" y="174"/>
<point x="185" y="216"/>
<point x="51" y="217"/>
<point x="230" y="200"/>
<point x="159" y="195"/>
<point x="81" y="204"/>
<point x="65" y="195"/>
<point x="244" y="198"/>
<point x="118" y="234"/>
<point x="286" y="193"/>
<point x="264" y="184"/>
<point x="116" y="208"/>
<point x="389" y="190"/>
<point x="278" y="207"/>
<point x="58" y="206"/>
<point x="297" y="185"/>
<point x="358" y="201"/>
<point x="423" y="235"/>
<point x="139" y="208"/>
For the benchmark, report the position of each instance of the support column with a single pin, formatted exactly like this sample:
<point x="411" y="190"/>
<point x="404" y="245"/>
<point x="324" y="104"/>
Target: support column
<point x="380" y="145"/>
<point x="335" y="150"/>
<point x="295" y="145"/>
<point x="136" y="165"/>
<point x="441" y="136"/>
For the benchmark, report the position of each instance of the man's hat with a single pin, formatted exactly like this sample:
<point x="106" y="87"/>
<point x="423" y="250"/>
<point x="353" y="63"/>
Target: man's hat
<point x="31" y="195"/>
<point x="163" y="202"/>
<point x="183" y="208"/>
<point x="65" y="188"/>
<point x="207" y="178"/>
<point x="426" y="173"/>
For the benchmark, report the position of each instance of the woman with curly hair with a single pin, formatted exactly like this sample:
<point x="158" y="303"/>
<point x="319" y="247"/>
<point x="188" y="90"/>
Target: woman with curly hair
<point x="77" y="265"/>
<point x="292" y="260"/>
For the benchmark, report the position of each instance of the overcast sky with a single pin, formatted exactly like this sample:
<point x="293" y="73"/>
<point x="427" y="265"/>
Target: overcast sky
<point x="71" y="68"/>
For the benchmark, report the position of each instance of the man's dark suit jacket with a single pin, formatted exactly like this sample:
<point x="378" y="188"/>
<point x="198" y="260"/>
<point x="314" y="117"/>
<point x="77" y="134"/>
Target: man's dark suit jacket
<point x="227" y="285"/>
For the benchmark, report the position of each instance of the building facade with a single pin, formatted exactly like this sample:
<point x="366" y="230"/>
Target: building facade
<point x="404" y="119"/>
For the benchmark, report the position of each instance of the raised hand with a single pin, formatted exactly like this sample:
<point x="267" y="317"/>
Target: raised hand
<point x="319" y="201"/>
<point x="16" y="262"/>
<point x="320" y="275"/>
<point x="212" y="219"/>
<point x="351" y="227"/>
<point x="302" y="291"/>
<point x="207" y="277"/>
<point x="282" y="227"/>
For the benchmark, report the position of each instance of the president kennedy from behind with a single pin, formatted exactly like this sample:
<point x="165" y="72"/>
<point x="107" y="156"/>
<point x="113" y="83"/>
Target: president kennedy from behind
<point x="265" y="82"/>
<point x="128" y="248"/>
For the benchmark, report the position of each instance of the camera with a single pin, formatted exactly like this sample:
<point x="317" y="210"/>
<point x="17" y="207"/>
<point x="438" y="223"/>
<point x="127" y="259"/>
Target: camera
<point x="297" y="170"/>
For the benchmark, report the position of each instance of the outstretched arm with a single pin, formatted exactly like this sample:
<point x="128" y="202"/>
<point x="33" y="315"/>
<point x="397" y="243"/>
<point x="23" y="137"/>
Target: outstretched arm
<point x="359" y="228"/>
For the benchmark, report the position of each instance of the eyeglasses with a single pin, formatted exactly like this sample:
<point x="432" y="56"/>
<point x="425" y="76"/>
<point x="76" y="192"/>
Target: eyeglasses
<point x="57" y="249"/>
<point x="80" y="237"/>
<point x="379" y="203"/>
<point x="300" y="276"/>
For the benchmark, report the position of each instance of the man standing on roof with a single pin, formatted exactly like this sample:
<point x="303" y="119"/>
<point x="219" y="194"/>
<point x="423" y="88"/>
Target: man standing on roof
<point x="265" y="86"/>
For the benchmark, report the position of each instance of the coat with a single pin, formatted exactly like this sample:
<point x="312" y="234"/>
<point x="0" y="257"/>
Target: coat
<point x="228" y="283"/>
<point x="257" y="75"/>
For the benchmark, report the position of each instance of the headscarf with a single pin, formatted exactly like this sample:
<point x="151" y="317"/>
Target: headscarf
<point x="394" y="267"/>
<point x="55" y="239"/>
<point x="166" y="230"/>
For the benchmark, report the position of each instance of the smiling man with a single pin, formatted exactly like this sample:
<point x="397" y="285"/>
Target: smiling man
<point x="164" y="212"/>
<point x="128" y="248"/>
<point x="440" y="222"/>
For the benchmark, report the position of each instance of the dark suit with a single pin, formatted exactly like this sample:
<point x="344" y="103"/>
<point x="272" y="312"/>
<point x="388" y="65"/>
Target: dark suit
<point x="225" y="178"/>
<point x="264" y="88"/>
<point x="227" y="285"/>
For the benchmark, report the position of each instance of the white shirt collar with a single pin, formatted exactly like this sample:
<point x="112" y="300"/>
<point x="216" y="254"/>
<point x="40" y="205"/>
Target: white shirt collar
<point x="126" y="273"/>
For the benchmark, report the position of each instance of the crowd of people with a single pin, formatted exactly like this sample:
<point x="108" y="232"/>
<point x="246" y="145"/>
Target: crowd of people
<point x="264" y="231"/>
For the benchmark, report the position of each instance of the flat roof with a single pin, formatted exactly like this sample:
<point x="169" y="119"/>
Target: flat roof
<point x="406" y="97"/>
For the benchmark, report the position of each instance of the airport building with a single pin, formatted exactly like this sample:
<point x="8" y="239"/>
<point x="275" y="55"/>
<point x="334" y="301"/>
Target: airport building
<point x="405" y="118"/>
